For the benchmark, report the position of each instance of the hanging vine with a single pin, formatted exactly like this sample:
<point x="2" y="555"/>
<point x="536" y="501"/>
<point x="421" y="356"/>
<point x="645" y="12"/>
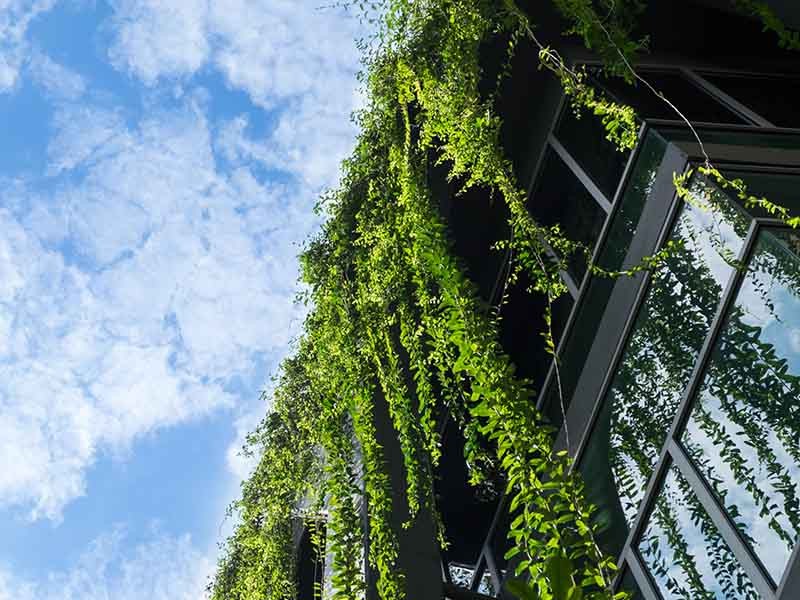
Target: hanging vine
<point x="394" y="319"/>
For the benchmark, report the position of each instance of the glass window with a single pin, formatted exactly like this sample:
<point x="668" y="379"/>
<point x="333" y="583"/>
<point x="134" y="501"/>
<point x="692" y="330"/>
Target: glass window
<point x="659" y="356"/>
<point x="685" y="553"/>
<point x="464" y="511"/>
<point x="585" y="140"/>
<point x="561" y="199"/>
<point x="693" y="102"/>
<point x="744" y="428"/>
<point x="621" y="231"/>
<point x="774" y="98"/>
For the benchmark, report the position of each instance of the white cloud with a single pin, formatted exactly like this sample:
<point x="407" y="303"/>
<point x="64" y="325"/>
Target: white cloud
<point x="272" y="49"/>
<point x="294" y="59"/>
<point x="15" y="18"/>
<point x="275" y="49"/>
<point x="139" y="279"/>
<point x="83" y="133"/>
<point x="157" y="38"/>
<point x="238" y="463"/>
<point x="132" y="292"/>
<point x="161" y="568"/>
<point x="58" y="80"/>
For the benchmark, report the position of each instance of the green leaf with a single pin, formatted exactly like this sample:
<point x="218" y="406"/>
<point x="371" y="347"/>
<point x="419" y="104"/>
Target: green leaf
<point x="559" y="572"/>
<point x="521" y="589"/>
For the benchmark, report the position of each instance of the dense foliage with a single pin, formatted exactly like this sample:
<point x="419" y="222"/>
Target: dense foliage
<point x="393" y="318"/>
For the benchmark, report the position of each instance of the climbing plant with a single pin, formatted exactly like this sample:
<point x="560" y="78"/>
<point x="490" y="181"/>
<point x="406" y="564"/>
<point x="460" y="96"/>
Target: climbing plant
<point x="394" y="319"/>
<point x="787" y="38"/>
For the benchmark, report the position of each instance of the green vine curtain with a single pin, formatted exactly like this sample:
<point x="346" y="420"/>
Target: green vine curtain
<point x="393" y="314"/>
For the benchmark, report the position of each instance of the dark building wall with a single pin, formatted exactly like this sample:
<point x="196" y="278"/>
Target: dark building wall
<point x="418" y="547"/>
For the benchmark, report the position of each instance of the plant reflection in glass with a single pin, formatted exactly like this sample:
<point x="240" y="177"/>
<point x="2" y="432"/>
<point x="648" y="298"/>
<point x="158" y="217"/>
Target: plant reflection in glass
<point x="744" y="430"/>
<point x="684" y="551"/>
<point x="659" y="357"/>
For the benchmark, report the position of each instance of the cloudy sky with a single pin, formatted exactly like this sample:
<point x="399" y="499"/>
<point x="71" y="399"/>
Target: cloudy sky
<point x="159" y="161"/>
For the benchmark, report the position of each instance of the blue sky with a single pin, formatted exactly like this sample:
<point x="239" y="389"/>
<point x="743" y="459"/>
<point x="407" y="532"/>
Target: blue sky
<point x="159" y="162"/>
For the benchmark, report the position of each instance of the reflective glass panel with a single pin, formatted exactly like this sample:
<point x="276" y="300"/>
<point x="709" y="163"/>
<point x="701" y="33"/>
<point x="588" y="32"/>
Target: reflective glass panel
<point x="659" y="356"/>
<point x="744" y="429"/>
<point x="561" y="199"/>
<point x="684" y="552"/>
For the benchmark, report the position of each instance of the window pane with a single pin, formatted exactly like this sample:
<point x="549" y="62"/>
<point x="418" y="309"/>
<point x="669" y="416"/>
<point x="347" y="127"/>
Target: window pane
<point x="585" y="140"/>
<point x="774" y="98"/>
<point x="561" y="199"/>
<point x="693" y="102"/>
<point x="659" y="356"/>
<point x="684" y="552"/>
<point x="744" y="430"/>
<point x="622" y="229"/>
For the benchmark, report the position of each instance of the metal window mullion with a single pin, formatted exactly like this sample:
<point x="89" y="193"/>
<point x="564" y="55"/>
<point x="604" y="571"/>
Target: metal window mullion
<point x="572" y="287"/>
<point x="480" y="567"/>
<point x="445" y="563"/>
<point x="645" y="507"/>
<point x="578" y="171"/>
<point x="498" y="513"/>
<point x="653" y="226"/>
<point x="658" y="123"/>
<point x="727" y="530"/>
<point x="487" y="554"/>
<point x="641" y="294"/>
<point x="641" y="576"/>
<point x="537" y="170"/>
<point x="669" y="64"/>
<point x="491" y="565"/>
<point x="725" y="99"/>
<point x="789" y="588"/>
